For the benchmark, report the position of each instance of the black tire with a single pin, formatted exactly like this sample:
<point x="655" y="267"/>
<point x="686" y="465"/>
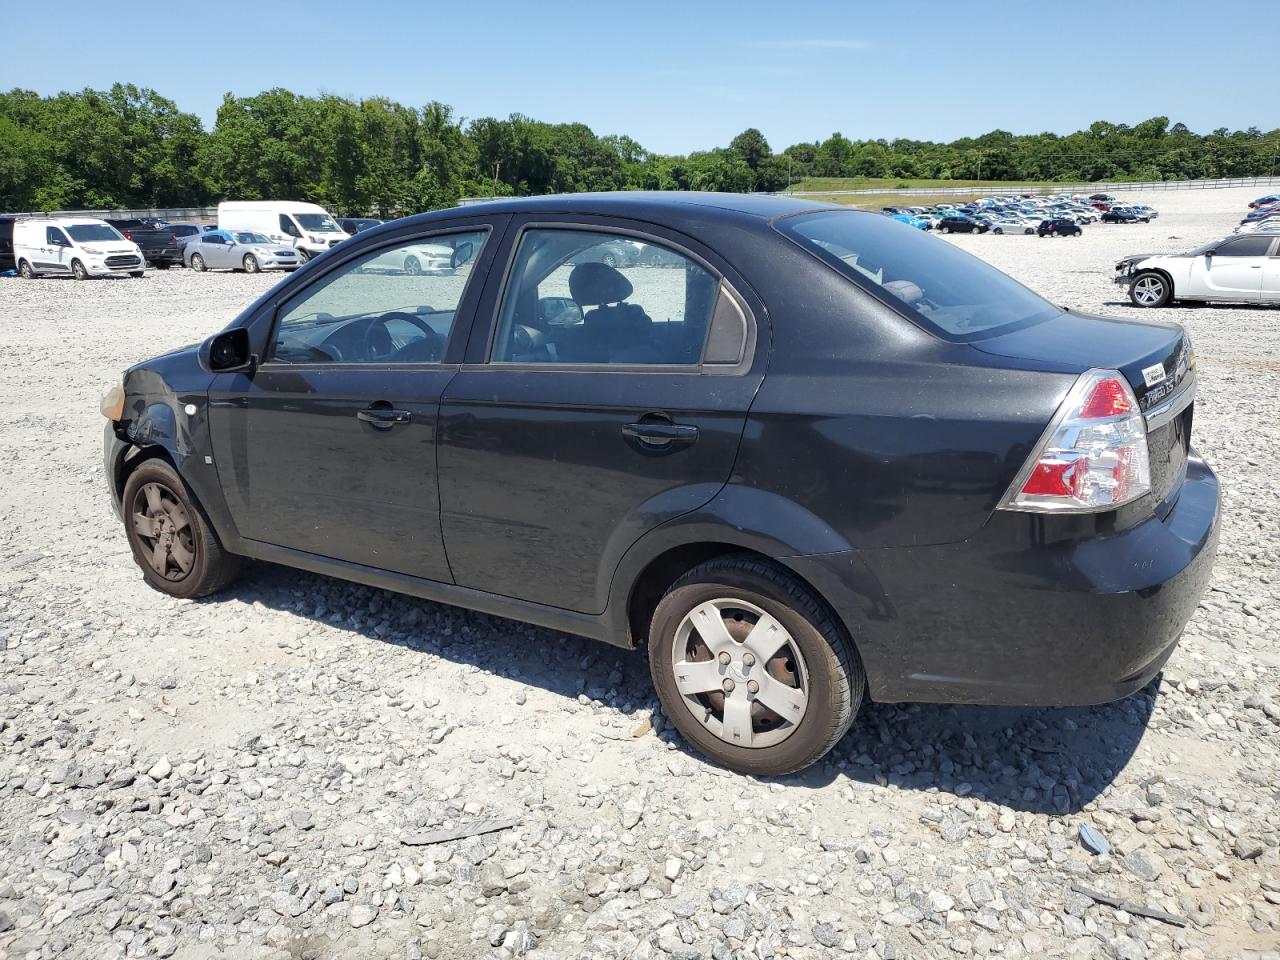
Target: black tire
<point x="304" y="255"/>
<point x="835" y="684"/>
<point x="25" y="271"/>
<point x="162" y="264"/>
<point x="412" y="266"/>
<point x="138" y="274"/>
<point x="998" y="230"/>
<point x="78" y="271"/>
<point x="251" y="264"/>
<point x="210" y="567"/>
<point x="1150" y="289"/>
<point x="944" y="229"/>
<point x="610" y="260"/>
<point x="198" y="264"/>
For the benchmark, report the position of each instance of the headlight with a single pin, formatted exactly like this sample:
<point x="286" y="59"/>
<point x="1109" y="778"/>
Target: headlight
<point x="112" y="405"/>
<point x="92" y="251"/>
<point x="317" y="239"/>
<point x="262" y="251"/>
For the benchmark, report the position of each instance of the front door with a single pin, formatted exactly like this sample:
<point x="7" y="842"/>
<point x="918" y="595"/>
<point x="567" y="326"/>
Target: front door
<point x="329" y="447"/>
<point x="57" y="251"/>
<point x="1271" y="275"/>
<point x="608" y="395"/>
<point x="1234" y="270"/>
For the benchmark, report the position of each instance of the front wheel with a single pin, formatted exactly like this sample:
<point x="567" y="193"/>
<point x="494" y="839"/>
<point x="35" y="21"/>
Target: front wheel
<point x="304" y="255"/>
<point x="998" y="230"/>
<point x="1150" y="289"/>
<point x="173" y="544"/>
<point x="412" y="266"/>
<point x="751" y="667"/>
<point x="78" y="271"/>
<point x="138" y="274"/>
<point x="251" y="264"/>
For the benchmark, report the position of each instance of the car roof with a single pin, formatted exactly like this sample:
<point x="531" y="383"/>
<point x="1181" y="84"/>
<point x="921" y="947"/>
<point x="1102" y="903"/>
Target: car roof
<point x="644" y="205"/>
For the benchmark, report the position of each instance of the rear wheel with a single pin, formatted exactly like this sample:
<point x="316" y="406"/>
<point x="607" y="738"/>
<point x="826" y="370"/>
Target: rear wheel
<point x="78" y="271"/>
<point x="751" y="667"/>
<point x="412" y="266"/>
<point x="251" y="263"/>
<point x="177" y="550"/>
<point x="1150" y="289"/>
<point x="198" y="264"/>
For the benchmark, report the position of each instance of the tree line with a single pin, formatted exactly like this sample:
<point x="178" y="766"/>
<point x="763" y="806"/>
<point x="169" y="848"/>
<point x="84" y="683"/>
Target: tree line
<point x="132" y="147"/>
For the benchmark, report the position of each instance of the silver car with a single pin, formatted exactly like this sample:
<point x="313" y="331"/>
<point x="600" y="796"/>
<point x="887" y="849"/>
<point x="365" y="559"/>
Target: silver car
<point x="238" y="250"/>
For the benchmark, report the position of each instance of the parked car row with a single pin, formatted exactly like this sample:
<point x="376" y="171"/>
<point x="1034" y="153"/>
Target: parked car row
<point x="250" y="236"/>
<point x="1056" y="216"/>
<point x="1263" y="215"/>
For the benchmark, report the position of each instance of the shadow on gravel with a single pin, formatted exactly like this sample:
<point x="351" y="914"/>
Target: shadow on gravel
<point x="1035" y="760"/>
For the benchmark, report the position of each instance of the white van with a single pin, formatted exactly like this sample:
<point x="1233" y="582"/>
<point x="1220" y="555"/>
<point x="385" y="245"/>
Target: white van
<point x="79" y="247"/>
<point x="307" y="226"/>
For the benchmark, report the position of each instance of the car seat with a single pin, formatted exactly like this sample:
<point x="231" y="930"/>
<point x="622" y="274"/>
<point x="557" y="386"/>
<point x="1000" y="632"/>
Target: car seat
<point x="614" y="332"/>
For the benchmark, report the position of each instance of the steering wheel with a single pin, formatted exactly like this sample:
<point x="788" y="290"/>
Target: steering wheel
<point x="409" y="318"/>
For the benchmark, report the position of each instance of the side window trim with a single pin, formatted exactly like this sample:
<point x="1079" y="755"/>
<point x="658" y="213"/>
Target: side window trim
<point x="494" y="319"/>
<point x="279" y="307"/>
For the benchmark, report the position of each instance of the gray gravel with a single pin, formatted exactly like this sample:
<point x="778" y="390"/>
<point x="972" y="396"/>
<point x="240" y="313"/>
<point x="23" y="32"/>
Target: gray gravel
<point x="277" y="772"/>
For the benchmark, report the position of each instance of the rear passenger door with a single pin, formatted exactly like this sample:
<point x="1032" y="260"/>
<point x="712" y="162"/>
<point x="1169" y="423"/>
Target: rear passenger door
<point x="606" y="394"/>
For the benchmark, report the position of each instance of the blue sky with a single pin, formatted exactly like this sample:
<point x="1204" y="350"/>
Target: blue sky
<point x="687" y="76"/>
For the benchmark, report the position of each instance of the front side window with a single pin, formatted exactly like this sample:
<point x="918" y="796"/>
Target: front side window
<point x="1245" y="247"/>
<point x="287" y="225"/>
<point x="944" y="289"/>
<point x="55" y="238"/>
<point x="581" y="296"/>
<point x="394" y="305"/>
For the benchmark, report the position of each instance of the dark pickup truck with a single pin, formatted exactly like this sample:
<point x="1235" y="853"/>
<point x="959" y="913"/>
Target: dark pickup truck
<point x="158" y="244"/>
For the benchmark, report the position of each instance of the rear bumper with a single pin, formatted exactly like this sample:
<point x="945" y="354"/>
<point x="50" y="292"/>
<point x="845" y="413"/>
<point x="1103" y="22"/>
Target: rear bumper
<point x="1013" y="616"/>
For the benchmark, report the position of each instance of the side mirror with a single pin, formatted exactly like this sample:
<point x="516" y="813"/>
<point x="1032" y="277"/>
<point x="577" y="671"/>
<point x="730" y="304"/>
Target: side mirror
<point x="228" y="352"/>
<point x="560" y="311"/>
<point x="462" y="253"/>
<point x="1210" y="253"/>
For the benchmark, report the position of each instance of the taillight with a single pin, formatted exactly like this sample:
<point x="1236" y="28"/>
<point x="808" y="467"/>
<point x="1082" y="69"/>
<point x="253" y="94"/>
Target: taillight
<point x="128" y="234"/>
<point x="1093" y="457"/>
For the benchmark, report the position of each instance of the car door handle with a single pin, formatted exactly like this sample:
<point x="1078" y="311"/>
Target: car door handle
<point x="384" y="417"/>
<point x="661" y="434"/>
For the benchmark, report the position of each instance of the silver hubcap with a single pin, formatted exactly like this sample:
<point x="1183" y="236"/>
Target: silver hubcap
<point x="1148" y="290"/>
<point x="740" y="672"/>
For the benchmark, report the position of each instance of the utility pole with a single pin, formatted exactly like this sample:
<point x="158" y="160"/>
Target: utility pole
<point x="496" y="166"/>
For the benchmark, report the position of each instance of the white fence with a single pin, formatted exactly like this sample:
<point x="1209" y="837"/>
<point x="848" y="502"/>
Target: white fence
<point x="210" y="214"/>
<point x="1004" y="188"/>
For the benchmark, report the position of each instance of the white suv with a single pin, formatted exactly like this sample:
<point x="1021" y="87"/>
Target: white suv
<point x="1238" y="269"/>
<point x="79" y="247"/>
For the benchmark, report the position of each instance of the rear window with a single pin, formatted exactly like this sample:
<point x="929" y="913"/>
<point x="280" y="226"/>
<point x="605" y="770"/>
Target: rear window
<point x="939" y="286"/>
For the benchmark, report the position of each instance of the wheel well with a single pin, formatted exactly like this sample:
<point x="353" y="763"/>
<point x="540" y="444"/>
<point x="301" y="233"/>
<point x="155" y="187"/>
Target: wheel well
<point x="136" y="458"/>
<point x="666" y="568"/>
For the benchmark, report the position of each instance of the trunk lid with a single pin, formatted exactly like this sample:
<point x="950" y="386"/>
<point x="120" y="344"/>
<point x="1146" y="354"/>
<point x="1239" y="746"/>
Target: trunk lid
<point x="1153" y="356"/>
<point x="1148" y="353"/>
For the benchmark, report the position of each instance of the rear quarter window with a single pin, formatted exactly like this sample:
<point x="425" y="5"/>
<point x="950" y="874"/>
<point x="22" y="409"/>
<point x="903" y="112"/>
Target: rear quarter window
<point x="951" y="293"/>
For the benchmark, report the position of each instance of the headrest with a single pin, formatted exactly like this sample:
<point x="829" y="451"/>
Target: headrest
<point x="593" y="284"/>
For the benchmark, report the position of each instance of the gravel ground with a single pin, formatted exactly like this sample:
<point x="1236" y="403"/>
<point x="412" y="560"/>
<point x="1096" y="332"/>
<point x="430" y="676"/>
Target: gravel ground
<point x="267" y="773"/>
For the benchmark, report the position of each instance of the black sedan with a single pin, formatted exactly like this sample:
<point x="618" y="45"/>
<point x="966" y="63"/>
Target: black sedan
<point x="830" y="458"/>
<point x="1058" y="227"/>
<point x="1124" y="216"/>
<point x="961" y="224"/>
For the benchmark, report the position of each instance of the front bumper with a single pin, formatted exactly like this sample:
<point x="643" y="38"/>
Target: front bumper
<point x="97" y="266"/>
<point x="279" y="263"/>
<point x="113" y="453"/>
<point x="1020" y="615"/>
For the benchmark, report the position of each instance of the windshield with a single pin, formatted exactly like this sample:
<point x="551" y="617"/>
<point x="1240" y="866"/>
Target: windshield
<point x="319" y="222"/>
<point x="251" y="238"/>
<point x="93" y="233"/>
<point x="934" y="283"/>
